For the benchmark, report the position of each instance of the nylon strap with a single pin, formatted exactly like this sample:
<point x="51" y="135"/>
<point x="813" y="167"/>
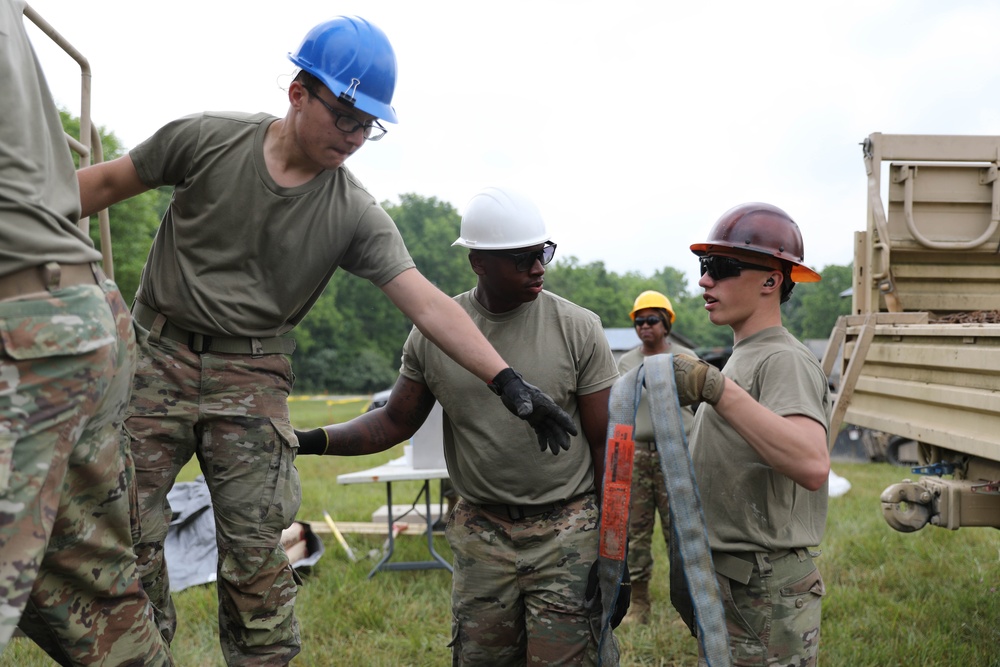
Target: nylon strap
<point x="687" y="518"/>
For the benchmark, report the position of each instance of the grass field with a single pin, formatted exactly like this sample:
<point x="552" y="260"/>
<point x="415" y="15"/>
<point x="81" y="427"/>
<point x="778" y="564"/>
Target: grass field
<point x="927" y="599"/>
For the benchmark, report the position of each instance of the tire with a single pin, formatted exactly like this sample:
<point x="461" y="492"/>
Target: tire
<point x="901" y="452"/>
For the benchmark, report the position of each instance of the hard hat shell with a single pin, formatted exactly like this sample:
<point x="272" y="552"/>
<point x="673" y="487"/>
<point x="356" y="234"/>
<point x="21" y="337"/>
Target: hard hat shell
<point x="652" y="299"/>
<point x="501" y="219"/>
<point x="354" y="59"/>
<point x="764" y="229"/>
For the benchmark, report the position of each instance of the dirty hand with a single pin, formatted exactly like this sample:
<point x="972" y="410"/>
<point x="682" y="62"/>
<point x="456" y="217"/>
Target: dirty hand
<point x="622" y="602"/>
<point x="552" y="425"/>
<point x="697" y="380"/>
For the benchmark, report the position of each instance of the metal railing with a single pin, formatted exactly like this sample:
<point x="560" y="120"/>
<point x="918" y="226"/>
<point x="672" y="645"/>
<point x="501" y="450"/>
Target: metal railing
<point x="88" y="146"/>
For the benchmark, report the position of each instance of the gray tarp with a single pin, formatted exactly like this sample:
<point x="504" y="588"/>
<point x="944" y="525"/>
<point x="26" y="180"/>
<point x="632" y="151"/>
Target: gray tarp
<point x="190" y="549"/>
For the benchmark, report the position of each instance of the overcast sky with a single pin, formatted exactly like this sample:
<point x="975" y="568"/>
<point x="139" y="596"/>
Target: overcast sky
<point x="632" y="124"/>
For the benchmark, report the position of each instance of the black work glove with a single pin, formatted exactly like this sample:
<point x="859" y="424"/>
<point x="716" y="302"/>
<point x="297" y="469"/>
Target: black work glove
<point x="624" y="593"/>
<point x="697" y="380"/>
<point x="552" y="425"/>
<point x="312" y="442"/>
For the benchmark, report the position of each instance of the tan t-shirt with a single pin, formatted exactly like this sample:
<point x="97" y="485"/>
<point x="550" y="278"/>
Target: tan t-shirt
<point x="643" y="419"/>
<point x="748" y="506"/>
<point x="492" y="456"/>
<point x="238" y="255"/>
<point x="39" y="195"/>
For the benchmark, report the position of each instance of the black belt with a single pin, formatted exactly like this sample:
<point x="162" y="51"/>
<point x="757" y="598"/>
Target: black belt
<point x="518" y="512"/>
<point x="642" y="444"/>
<point x="201" y="343"/>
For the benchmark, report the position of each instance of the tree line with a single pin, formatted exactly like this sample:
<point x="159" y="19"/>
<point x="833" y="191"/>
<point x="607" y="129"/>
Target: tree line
<point x="352" y="339"/>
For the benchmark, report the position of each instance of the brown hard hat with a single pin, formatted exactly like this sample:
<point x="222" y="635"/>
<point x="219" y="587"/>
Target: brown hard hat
<point x="760" y="228"/>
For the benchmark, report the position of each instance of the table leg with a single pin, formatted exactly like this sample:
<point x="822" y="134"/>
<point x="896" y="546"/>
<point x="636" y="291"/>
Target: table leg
<point x="430" y="528"/>
<point x="438" y="562"/>
<point x="391" y="542"/>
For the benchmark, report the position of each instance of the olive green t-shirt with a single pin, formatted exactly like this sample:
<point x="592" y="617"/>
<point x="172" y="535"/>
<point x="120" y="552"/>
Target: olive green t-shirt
<point x="39" y="195"/>
<point x="238" y="255"/>
<point x="492" y="456"/>
<point x="748" y="506"/>
<point x="643" y="419"/>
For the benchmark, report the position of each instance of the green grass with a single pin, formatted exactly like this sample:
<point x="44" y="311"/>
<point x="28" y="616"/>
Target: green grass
<point x="930" y="598"/>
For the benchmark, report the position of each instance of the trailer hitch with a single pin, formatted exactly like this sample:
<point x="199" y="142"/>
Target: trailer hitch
<point x="907" y="506"/>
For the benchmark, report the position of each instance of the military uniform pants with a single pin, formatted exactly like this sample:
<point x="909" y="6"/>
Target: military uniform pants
<point x="231" y="411"/>
<point x="649" y="496"/>
<point x="66" y="526"/>
<point x="519" y="587"/>
<point x="773" y="619"/>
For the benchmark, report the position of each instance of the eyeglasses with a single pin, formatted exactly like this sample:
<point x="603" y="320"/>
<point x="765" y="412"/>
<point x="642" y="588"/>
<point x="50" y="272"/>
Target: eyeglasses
<point x="652" y="320"/>
<point x="348" y="123"/>
<point x="719" y="267"/>
<point x="525" y="260"/>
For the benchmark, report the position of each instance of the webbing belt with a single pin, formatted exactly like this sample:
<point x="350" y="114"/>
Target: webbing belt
<point x="686" y="517"/>
<point x="158" y="325"/>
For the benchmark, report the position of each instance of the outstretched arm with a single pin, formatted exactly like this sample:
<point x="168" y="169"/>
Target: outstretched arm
<point x="376" y="431"/>
<point x="444" y="323"/>
<point x="449" y="327"/>
<point x="108" y="183"/>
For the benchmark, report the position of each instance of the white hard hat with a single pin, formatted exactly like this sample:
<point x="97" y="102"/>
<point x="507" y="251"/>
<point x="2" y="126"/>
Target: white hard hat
<point x="501" y="219"/>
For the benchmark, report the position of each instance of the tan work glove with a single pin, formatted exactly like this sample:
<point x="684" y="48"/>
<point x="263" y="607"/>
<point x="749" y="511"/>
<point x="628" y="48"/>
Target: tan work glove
<point x="697" y="380"/>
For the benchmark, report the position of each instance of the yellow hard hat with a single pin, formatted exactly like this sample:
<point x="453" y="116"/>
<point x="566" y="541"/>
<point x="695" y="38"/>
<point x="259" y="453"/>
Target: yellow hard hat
<point x="652" y="299"/>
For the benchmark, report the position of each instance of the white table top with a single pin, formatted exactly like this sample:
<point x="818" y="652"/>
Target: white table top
<point x="396" y="470"/>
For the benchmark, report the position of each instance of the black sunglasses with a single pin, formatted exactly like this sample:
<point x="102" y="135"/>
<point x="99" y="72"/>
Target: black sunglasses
<point x="652" y="320"/>
<point x="525" y="260"/>
<point x="719" y="267"/>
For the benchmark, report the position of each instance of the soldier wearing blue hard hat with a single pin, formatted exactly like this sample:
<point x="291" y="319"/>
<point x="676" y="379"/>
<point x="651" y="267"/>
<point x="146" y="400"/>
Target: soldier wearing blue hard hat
<point x="263" y="212"/>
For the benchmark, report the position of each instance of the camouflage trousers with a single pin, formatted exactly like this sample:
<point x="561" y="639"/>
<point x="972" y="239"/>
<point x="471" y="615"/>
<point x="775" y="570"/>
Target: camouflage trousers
<point x="519" y="587"/>
<point x="66" y="520"/>
<point x="649" y="496"/>
<point x="231" y="411"/>
<point x="773" y="620"/>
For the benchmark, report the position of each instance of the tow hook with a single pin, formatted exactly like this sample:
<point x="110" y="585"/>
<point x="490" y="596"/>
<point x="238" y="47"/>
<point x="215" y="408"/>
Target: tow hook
<point x="906" y="506"/>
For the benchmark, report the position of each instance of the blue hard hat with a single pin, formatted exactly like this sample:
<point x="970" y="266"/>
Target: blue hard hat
<point x="354" y="59"/>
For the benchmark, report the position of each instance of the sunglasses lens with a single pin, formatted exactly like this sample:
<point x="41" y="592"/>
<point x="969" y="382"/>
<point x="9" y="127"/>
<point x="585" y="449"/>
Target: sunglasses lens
<point x="547" y="253"/>
<point x="719" y="268"/>
<point x="652" y="321"/>
<point x="525" y="260"/>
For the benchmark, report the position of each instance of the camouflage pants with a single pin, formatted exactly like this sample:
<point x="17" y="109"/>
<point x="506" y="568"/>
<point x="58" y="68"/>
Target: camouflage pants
<point x="66" y="521"/>
<point x="231" y="411"/>
<point x="649" y="496"/>
<point x="519" y="587"/>
<point x="773" y="620"/>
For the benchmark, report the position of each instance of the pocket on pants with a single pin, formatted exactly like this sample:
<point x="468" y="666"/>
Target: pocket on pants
<point x="283" y="478"/>
<point x="808" y="588"/>
<point x="73" y="324"/>
<point x="745" y="621"/>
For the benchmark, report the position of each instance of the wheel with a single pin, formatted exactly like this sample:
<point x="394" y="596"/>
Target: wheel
<point x="901" y="451"/>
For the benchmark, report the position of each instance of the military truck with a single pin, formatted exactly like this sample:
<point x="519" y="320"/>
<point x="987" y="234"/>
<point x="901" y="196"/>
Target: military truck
<point x="921" y="347"/>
